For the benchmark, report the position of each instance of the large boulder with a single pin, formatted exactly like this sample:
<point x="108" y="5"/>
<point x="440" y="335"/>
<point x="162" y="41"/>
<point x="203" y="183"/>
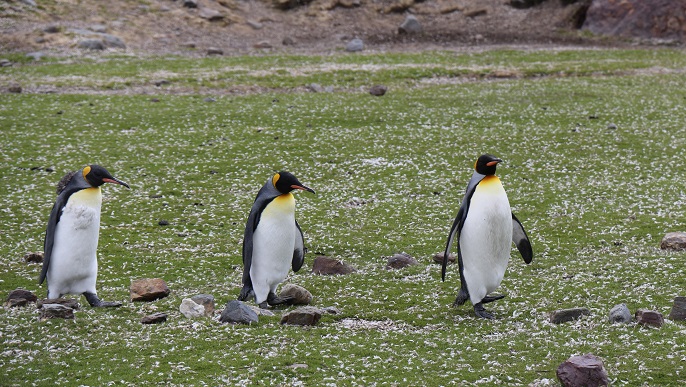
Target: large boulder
<point x="586" y="370"/>
<point x="649" y="318"/>
<point x="148" y="289"/>
<point x="655" y="19"/>
<point x="20" y="297"/>
<point x="49" y="311"/>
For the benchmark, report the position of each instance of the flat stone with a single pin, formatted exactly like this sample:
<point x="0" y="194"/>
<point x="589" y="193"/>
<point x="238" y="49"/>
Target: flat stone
<point x="328" y="266"/>
<point x="678" y="312"/>
<point x="113" y="41"/>
<point x="154" y="318"/>
<point x="18" y="295"/>
<point x="378" y="90"/>
<point x="210" y="14"/>
<point x="49" y="311"/>
<point x="331" y="310"/>
<point x="399" y="261"/>
<point x="148" y="289"/>
<point x="620" y="314"/>
<point x="91" y="44"/>
<point x="191" y="309"/>
<point x="34" y="257"/>
<point x="649" y="318"/>
<point x="586" y="370"/>
<point x="564" y="315"/>
<point x="255" y="24"/>
<point x="14" y="88"/>
<point x="476" y="12"/>
<point x="237" y="312"/>
<point x="299" y="295"/>
<point x="305" y="316"/>
<point x="438" y="258"/>
<point x="158" y="83"/>
<point x="215" y="51"/>
<point x="5" y="63"/>
<point x="68" y="302"/>
<point x="207" y="301"/>
<point x="674" y="241"/>
<point x="264" y="44"/>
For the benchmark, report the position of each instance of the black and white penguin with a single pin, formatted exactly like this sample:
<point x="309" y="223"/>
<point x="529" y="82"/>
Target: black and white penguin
<point x="70" y="261"/>
<point x="485" y="228"/>
<point x="273" y="241"/>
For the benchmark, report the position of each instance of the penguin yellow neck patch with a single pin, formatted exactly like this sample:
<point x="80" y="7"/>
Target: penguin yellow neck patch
<point x="86" y="171"/>
<point x="275" y="179"/>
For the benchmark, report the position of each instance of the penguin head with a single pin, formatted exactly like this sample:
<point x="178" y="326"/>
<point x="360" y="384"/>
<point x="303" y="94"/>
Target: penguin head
<point x="96" y="176"/>
<point x="486" y="164"/>
<point x="285" y="182"/>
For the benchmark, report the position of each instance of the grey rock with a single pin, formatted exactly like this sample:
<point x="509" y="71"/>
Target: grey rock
<point x="331" y="310"/>
<point x="354" y="45"/>
<point x="113" y="41"/>
<point x="210" y="14"/>
<point x="49" y="311"/>
<point x="674" y="241"/>
<point x="305" y="316"/>
<point x="191" y="309"/>
<point x="98" y="28"/>
<point x="5" y="63"/>
<point x="299" y="295"/>
<point x="586" y="370"/>
<point x="649" y="318"/>
<point x="91" y="44"/>
<point x="288" y="41"/>
<point x="315" y="87"/>
<point x="410" y="25"/>
<point x="189" y="44"/>
<point x="154" y="318"/>
<point x="20" y="297"/>
<point x="611" y="126"/>
<point x="564" y="315"/>
<point x="68" y="302"/>
<point x="438" y="258"/>
<point x="399" y="261"/>
<point x="678" y="312"/>
<point x="261" y="312"/>
<point x="255" y="24"/>
<point x="148" y="289"/>
<point x="37" y="55"/>
<point x="620" y="314"/>
<point x="32" y="3"/>
<point x="328" y="266"/>
<point x="207" y="301"/>
<point x="209" y="99"/>
<point x="378" y="90"/>
<point x="237" y="312"/>
<point x="190" y="3"/>
<point x="215" y="51"/>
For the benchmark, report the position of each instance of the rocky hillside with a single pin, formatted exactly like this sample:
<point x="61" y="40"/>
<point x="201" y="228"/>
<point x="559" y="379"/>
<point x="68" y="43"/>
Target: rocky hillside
<point x="242" y="26"/>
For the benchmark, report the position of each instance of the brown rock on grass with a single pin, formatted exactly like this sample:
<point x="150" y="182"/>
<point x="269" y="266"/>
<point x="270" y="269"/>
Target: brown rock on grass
<point x="148" y="289"/>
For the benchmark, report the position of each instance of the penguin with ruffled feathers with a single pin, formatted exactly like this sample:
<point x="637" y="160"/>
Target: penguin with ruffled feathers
<point x="273" y="241"/>
<point x="70" y="261"/>
<point x="485" y="228"/>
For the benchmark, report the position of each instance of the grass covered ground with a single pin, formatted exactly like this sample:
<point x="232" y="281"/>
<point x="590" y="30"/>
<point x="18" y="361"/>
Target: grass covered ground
<point x="389" y="174"/>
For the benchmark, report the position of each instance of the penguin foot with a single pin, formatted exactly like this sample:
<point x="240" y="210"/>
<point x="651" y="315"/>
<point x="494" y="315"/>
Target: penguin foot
<point x="461" y="298"/>
<point x="95" y="302"/>
<point x="263" y="305"/>
<point x="273" y="300"/>
<point x="482" y="312"/>
<point x="246" y="293"/>
<point x="488" y="299"/>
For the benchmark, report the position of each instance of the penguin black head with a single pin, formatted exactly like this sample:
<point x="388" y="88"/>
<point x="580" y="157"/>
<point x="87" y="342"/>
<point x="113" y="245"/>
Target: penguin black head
<point x="285" y="182"/>
<point x="486" y="164"/>
<point x="96" y="176"/>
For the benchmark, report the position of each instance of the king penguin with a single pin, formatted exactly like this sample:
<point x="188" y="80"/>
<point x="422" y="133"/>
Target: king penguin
<point x="273" y="241"/>
<point x="70" y="263"/>
<point x="485" y="228"/>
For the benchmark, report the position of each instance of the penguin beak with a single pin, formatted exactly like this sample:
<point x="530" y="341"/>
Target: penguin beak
<point x="115" y="181"/>
<point x="302" y="188"/>
<point x="494" y="162"/>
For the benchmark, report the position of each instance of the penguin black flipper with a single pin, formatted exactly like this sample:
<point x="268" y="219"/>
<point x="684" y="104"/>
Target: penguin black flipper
<point x="520" y="239"/>
<point x="299" y="250"/>
<point x="250" y="227"/>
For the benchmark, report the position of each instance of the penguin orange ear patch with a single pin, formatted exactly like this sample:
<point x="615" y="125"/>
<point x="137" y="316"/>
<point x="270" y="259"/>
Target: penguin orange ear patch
<point x="86" y="171"/>
<point x="275" y="179"/>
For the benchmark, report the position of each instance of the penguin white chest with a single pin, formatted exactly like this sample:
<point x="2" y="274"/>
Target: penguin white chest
<point x="273" y="243"/>
<point x="486" y="238"/>
<point x="73" y="264"/>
